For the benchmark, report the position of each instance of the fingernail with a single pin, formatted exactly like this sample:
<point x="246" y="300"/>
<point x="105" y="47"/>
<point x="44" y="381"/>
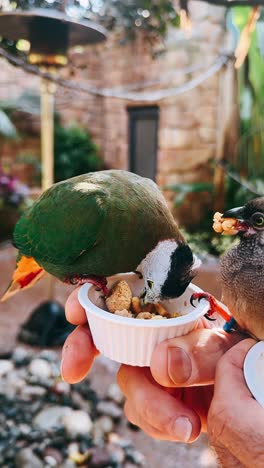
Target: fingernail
<point x="182" y="429"/>
<point x="179" y="365"/>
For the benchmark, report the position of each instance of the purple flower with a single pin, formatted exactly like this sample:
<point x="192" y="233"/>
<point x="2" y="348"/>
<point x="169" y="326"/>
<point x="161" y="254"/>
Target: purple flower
<point x="12" y="191"/>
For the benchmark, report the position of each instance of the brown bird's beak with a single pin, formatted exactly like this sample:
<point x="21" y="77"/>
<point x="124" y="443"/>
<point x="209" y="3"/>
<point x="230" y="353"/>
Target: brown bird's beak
<point x="237" y="213"/>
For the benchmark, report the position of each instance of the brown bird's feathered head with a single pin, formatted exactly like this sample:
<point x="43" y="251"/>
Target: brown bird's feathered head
<point x="250" y="218"/>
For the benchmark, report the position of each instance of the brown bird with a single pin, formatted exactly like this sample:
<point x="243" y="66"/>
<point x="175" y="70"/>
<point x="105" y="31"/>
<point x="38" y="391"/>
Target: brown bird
<point x="242" y="271"/>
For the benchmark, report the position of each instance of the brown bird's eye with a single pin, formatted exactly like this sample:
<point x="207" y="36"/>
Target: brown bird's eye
<point x="258" y="219"/>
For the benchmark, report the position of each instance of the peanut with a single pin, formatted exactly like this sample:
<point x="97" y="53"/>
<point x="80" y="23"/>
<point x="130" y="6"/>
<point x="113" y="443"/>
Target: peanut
<point x="119" y="297"/>
<point x="144" y="315"/>
<point x="226" y="226"/>
<point x="124" y="313"/>
<point x="136" y="305"/>
<point x="160" y="310"/>
<point x="175" y="314"/>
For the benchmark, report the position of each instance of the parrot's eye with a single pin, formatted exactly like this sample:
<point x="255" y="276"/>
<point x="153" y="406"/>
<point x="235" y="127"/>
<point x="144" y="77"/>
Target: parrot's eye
<point x="150" y="283"/>
<point x="258" y="220"/>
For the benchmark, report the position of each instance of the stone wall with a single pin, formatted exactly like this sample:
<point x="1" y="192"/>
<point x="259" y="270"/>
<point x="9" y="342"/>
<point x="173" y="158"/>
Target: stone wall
<point x="189" y="122"/>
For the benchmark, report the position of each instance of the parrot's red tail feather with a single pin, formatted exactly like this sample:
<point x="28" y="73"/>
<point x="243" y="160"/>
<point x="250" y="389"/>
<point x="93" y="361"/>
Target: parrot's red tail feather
<point x="26" y="274"/>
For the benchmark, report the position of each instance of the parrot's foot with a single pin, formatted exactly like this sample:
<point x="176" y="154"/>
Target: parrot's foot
<point x="99" y="281"/>
<point x="215" y="306"/>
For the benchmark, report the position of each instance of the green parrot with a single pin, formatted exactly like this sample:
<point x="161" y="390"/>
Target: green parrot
<point x="95" y="225"/>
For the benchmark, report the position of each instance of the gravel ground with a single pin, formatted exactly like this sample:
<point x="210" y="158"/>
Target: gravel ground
<point x="151" y="453"/>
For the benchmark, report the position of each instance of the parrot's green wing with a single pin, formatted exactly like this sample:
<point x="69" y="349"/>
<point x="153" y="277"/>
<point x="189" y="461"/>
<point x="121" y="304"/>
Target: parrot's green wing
<point x="66" y="221"/>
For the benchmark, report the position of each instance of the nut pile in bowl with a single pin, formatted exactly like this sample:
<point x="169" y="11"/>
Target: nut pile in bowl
<point x="120" y="301"/>
<point x="225" y="226"/>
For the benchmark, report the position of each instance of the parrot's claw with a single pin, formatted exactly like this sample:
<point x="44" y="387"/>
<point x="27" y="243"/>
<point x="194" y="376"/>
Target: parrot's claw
<point x="99" y="282"/>
<point x="210" y="299"/>
<point x="207" y="316"/>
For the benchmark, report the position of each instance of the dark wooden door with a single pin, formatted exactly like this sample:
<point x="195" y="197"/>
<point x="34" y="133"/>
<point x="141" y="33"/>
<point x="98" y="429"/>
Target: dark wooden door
<point x="143" y="140"/>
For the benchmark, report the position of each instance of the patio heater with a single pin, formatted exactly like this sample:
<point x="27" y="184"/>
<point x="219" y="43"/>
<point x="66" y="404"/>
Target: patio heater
<point x="51" y="34"/>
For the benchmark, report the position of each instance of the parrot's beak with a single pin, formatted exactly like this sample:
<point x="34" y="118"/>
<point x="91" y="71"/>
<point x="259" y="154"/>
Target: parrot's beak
<point x="143" y="297"/>
<point x="237" y="213"/>
<point x="242" y="224"/>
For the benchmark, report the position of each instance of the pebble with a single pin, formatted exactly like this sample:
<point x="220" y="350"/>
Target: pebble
<point x="117" y="453"/>
<point x="109" y="408"/>
<point x="77" y="422"/>
<point x="40" y="368"/>
<point x="24" y="429"/>
<point x="100" y="458"/>
<point x="45" y="422"/>
<point x="73" y="447"/>
<point x="21" y="356"/>
<point x="49" y="355"/>
<point x="32" y="391"/>
<point x="114" y="393"/>
<point x="68" y="464"/>
<point x="6" y="366"/>
<point x="52" y="456"/>
<point x="62" y="388"/>
<point x="25" y="458"/>
<point x="80" y="402"/>
<point x="103" y="425"/>
<point x="51" y="417"/>
<point x="135" y="456"/>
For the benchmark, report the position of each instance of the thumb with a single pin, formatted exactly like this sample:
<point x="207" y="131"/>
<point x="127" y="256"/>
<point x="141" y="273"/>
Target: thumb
<point x="235" y="419"/>
<point x="191" y="360"/>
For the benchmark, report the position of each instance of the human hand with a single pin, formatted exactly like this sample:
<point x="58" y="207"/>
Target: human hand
<point x="78" y="352"/>
<point x="235" y="419"/>
<point x="154" y="401"/>
<point x="177" y="385"/>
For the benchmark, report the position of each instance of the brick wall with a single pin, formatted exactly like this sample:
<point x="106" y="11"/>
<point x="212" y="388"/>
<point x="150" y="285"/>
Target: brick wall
<point x="188" y="126"/>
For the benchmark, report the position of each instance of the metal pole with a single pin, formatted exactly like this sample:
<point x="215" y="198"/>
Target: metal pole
<point x="47" y="91"/>
<point x="47" y="133"/>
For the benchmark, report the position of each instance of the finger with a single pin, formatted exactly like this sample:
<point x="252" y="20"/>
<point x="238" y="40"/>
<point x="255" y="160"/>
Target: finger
<point x="150" y="430"/>
<point x="235" y="419"/>
<point x="156" y="407"/>
<point x="74" y="312"/>
<point x="78" y="354"/>
<point x="199" y="399"/>
<point x="191" y="359"/>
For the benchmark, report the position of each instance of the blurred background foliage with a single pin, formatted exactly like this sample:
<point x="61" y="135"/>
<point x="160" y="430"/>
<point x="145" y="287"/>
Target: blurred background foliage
<point x="250" y="151"/>
<point x="74" y="152"/>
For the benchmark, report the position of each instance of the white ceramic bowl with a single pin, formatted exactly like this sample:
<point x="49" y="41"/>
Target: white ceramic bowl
<point x="129" y="340"/>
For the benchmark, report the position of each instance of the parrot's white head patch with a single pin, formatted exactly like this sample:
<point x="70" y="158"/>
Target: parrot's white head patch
<point x="167" y="270"/>
<point x="155" y="268"/>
